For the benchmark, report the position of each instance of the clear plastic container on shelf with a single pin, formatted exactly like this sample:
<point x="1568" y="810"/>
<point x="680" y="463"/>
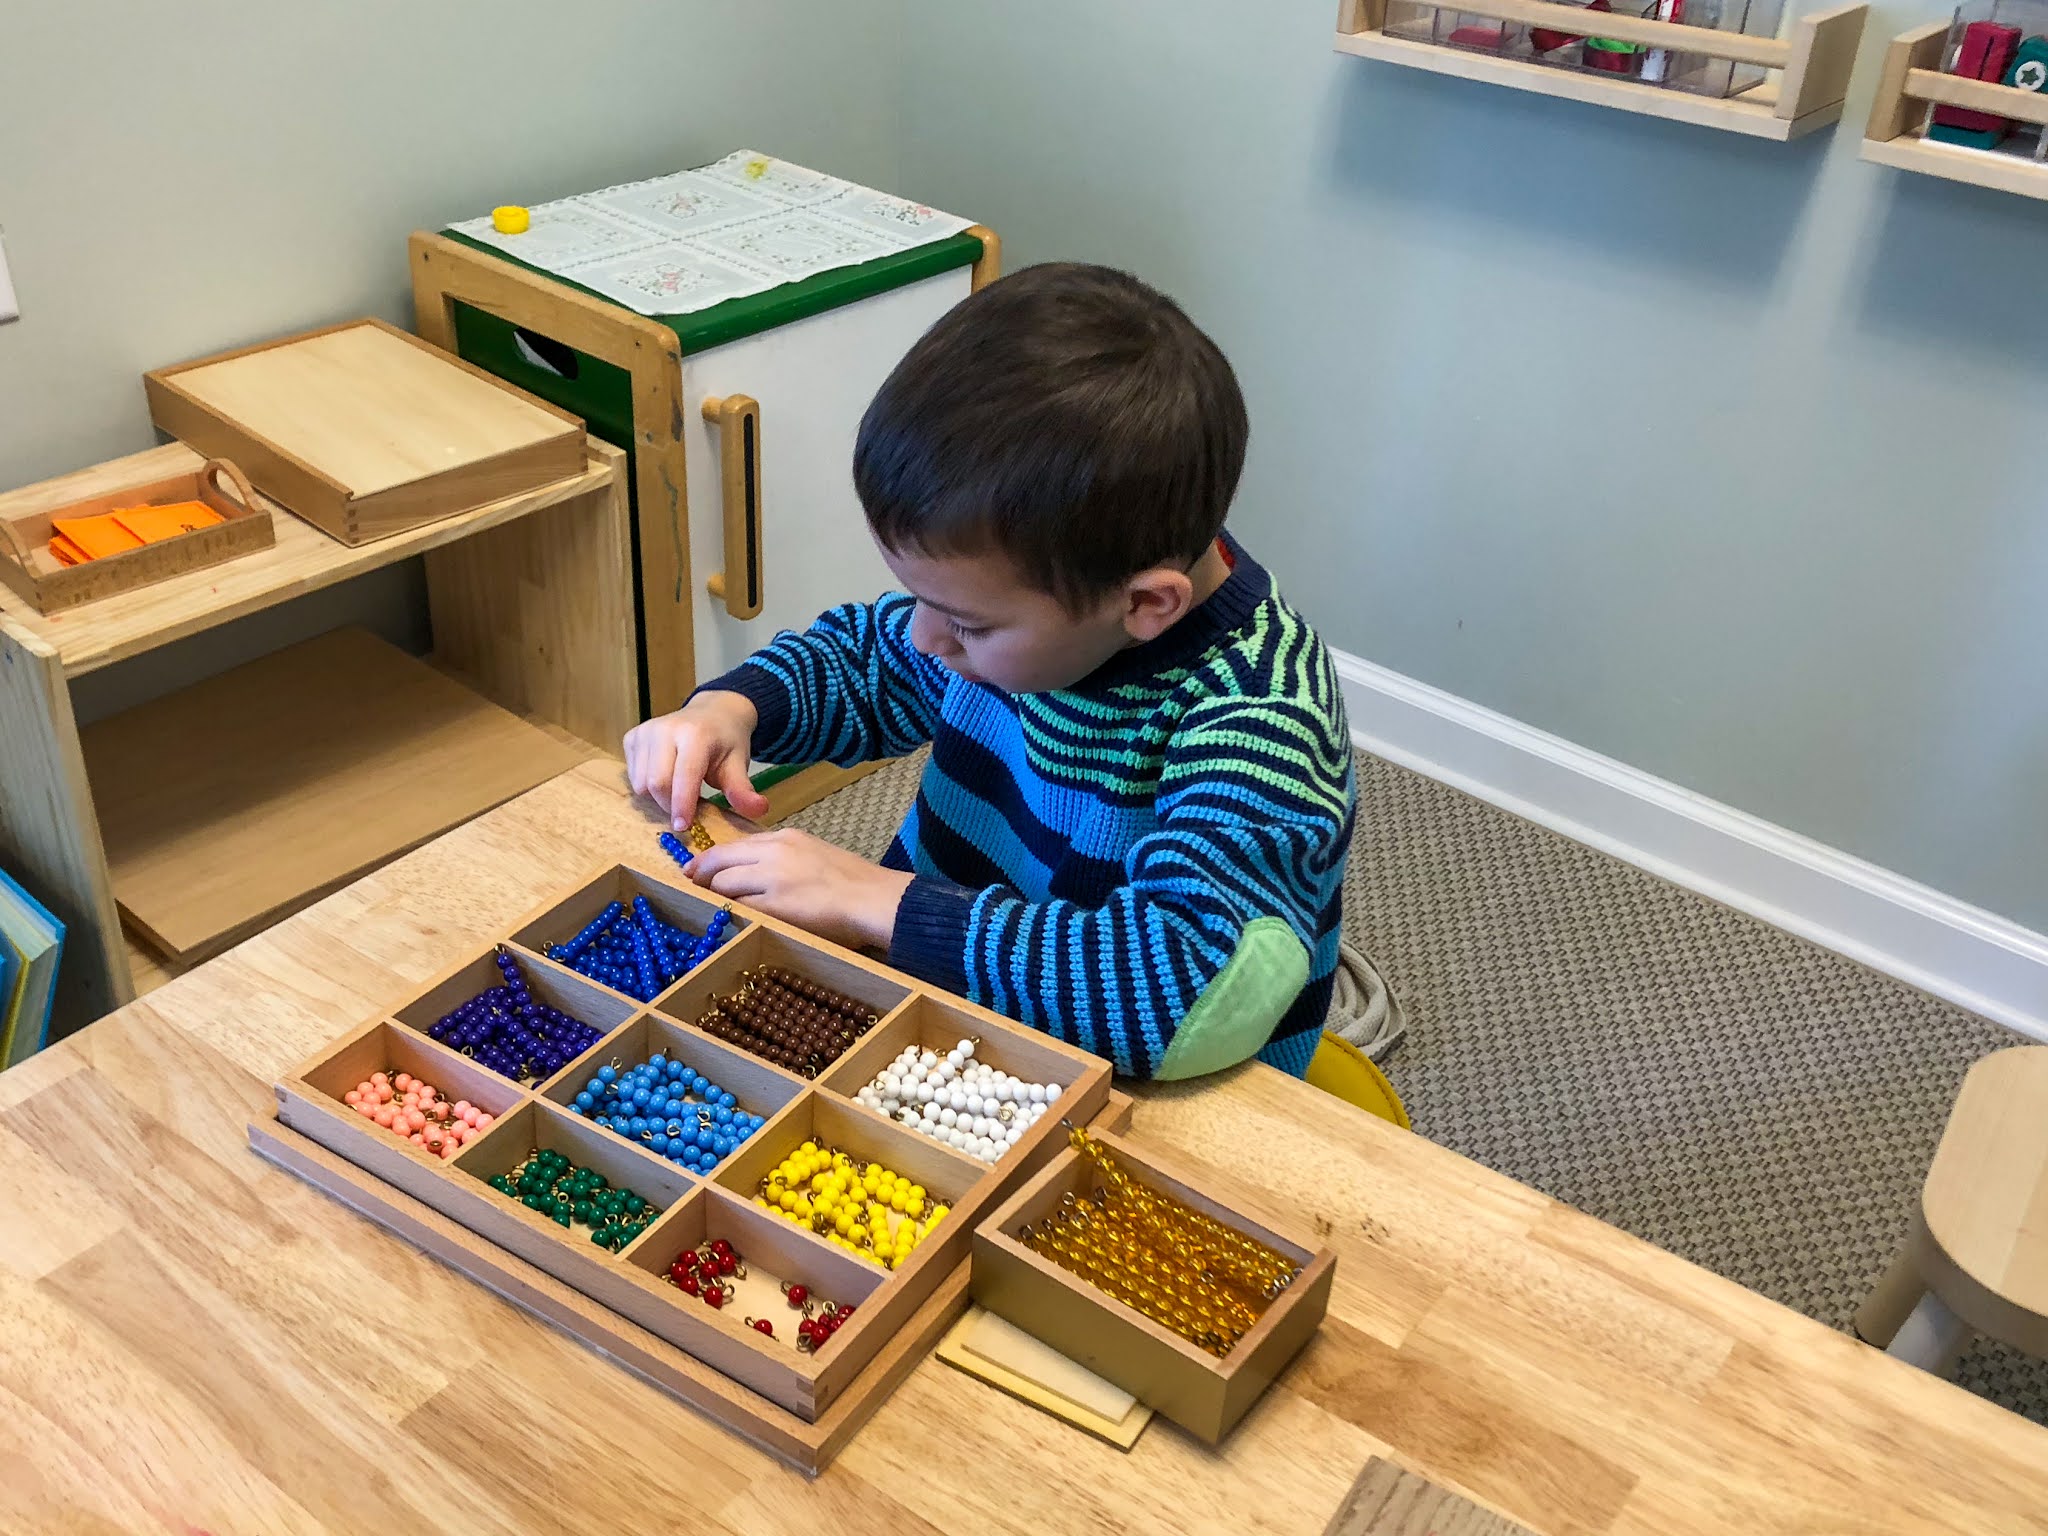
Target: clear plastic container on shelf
<point x="1698" y="73"/>
<point x="2001" y="42"/>
<point x="1588" y="51"/>
<point x="1456" y="29"/>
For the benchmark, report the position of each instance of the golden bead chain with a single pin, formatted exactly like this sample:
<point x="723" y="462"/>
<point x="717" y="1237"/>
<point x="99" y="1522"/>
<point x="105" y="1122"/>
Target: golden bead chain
<point x="1178" y="1266"/>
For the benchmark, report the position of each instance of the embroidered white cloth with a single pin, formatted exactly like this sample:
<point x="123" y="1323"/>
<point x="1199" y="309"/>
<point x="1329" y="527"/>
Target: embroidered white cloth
<point x="741" y="225"/>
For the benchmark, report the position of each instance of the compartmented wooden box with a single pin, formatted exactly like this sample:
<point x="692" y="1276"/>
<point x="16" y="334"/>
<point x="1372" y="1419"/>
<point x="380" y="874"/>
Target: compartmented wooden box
<point x="1203" y="1394"/>
<point x="28" y="567"/>
<point x="769" y="1391"/>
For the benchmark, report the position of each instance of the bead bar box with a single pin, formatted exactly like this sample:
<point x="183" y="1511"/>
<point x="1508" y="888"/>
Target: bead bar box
<point x="799" y="1404"/>
<point x="1203" y="1394"/>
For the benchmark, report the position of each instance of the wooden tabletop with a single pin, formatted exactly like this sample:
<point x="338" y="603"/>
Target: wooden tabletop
<point x="191" y="1340"/>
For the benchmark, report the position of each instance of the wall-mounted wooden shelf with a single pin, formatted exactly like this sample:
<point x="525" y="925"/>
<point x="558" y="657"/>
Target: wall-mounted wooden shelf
<point x="1812" y="64"/>
<point x="1912" y="81"/>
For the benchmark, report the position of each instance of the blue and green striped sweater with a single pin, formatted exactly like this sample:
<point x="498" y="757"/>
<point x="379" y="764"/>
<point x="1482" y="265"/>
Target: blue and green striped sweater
<point x="1148" y="865"/>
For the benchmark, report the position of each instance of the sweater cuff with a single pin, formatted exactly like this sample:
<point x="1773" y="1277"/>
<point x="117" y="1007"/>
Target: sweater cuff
<point x="930" y="941"/>
<point x="766" y="692"/>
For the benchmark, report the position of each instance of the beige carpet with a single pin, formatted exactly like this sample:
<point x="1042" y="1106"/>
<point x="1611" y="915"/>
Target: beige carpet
<point x="1729" y="1092"/>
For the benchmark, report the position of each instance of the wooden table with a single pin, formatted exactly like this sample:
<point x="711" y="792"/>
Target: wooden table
<point x="190" y="1339"/>
<point x="531" y="601"/>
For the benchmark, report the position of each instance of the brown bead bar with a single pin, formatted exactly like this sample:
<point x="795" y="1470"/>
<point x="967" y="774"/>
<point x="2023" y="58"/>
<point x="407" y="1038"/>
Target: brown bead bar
<point x="787" y="1019"/>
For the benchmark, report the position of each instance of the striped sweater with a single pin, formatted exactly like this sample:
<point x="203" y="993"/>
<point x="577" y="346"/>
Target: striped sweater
<point x="1147" y="864"/>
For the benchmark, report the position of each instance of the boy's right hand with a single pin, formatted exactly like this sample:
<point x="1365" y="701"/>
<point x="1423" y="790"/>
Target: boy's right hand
<point x="669" y="758"/>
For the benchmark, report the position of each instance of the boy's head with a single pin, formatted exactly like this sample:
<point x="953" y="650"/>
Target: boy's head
<point x="1046" y="468"/>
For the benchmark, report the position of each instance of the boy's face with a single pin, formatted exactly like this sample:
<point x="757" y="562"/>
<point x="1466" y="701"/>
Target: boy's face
<point x="975" y="614"/>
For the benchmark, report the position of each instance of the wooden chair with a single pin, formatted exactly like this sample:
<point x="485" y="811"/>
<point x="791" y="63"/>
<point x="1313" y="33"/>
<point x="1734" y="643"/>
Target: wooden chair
<point x="1976" y="1260"/>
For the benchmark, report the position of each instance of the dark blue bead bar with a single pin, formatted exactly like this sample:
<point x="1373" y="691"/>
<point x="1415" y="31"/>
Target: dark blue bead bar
<point x="631" y="950"/>
<point x="513" y="1032"/>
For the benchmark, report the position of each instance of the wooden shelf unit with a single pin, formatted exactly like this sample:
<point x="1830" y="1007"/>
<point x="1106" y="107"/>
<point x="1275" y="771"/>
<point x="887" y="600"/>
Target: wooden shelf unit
<point x="531" y="602"/>
<point x="1912" y="82"/>
<point x="282" y="779"/>
<point x="1813" y="63"/>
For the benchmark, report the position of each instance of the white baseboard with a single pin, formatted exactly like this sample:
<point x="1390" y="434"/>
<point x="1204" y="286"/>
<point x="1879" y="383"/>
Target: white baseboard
<point x="1956" y="951"/>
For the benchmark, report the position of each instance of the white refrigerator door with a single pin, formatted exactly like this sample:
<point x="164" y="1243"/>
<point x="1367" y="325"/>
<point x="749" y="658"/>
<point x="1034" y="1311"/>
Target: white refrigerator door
<point x="813" y="379"/>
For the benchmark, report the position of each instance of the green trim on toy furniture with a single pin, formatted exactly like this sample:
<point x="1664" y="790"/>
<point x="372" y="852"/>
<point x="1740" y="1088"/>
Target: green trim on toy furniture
<point x="763" y="311"/>
<point x="764" y="781"/>
<point x="601" y="393"/>
<point x="1235" y="1015"/>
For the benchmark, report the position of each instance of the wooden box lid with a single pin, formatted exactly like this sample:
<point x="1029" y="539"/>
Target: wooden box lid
<point x="366" y="431"/>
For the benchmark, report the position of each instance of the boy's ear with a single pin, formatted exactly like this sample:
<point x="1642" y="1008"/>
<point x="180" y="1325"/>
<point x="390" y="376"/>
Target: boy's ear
<point x="1155" y="600"/>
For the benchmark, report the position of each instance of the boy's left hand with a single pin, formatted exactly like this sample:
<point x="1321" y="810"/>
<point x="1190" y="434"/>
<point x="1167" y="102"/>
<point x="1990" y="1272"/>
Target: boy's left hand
<point x="807" y="881"/>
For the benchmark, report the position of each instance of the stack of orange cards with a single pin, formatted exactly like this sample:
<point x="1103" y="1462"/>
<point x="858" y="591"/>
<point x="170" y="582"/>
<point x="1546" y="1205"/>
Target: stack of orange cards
<point x="75" y="540"/>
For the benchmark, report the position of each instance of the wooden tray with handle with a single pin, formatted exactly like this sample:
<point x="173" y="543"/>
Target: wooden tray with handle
<point x="47" y="584"/>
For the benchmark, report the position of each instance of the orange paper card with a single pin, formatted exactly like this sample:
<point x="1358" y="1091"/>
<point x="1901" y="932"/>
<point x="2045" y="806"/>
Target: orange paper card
<point x="151" y="524"/>
<point x="67" y="553"/>
<point x="96" y="536"/>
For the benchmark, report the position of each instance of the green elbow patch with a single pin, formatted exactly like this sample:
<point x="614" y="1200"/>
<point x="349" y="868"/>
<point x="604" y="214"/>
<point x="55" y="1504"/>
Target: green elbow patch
<point x="1236" y="1013"/>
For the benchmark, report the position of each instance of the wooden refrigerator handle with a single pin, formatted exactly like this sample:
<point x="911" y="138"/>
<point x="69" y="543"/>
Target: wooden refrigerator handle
<point x="738" y="419"/>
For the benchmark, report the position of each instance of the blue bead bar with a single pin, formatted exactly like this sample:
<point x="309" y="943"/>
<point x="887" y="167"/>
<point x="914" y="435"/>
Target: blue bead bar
<point x="665" y="1107"/>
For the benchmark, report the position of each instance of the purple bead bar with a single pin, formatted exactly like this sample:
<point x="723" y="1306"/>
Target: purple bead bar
<point x="512" y="1032"/>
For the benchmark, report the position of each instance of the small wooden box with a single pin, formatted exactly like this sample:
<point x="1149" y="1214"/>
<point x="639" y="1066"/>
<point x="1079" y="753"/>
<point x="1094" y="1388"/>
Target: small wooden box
<point x="1204" y="1395"/>
<point x="365" y="431"/>
<point x="28" y="567"/>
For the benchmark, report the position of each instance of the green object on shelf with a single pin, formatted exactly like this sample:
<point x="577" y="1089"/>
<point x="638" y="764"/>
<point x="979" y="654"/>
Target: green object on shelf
<point x="1609" y="45"/>
<point x="1968" y="138"/>
<point x="2029" y="68"/>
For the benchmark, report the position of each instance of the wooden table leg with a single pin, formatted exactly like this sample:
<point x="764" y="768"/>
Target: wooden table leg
<point x="1898" y="1292"/>
<point x="50" y="834"/>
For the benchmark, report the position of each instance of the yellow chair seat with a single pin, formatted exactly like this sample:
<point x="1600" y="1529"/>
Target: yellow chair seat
<point x="1341" y="1068"/>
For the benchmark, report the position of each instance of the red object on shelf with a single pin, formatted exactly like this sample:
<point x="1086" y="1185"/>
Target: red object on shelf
<point x="1986" y="53"/>
<point x="1489" y="38"/>
<point x="1544" y="40"/>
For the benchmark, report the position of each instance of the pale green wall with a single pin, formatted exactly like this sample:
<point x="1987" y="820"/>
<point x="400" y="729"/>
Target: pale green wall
<point x="180" y="178"/>
<point x="1723" y="458"/>
<point x="1692" y="450"/>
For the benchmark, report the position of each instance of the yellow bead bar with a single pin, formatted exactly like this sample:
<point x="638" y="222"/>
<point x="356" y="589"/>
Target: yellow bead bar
<point x="864" y="1208"/>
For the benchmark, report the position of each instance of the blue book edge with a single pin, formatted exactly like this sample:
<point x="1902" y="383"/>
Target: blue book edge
<point x="10" y="1039"/>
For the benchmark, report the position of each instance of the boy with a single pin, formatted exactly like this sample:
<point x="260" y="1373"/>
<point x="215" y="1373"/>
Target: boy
<point x="1132" y="830"/>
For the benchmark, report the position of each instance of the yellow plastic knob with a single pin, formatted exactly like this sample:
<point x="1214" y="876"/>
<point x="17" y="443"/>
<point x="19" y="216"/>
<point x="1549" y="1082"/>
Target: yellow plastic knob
<point x="510" y="220"/>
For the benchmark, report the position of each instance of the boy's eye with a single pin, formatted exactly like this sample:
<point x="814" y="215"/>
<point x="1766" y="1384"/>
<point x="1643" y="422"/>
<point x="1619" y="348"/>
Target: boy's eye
<point x="964" y="631"/>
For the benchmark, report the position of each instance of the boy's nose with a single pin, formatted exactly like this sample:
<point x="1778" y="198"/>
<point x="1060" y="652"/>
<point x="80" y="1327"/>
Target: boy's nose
<point x="931" y="637"/>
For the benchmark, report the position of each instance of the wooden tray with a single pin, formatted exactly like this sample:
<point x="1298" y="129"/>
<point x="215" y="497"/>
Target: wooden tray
<point x="28" y="567"/>
<point x="624" y="1295"/>
<point x="1204" y="1395"/>
<point x="365" y="431"/>
<point x="234" y="802"/>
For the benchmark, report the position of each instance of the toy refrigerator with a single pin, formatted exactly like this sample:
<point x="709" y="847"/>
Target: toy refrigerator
<point x="740" y="411"/>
